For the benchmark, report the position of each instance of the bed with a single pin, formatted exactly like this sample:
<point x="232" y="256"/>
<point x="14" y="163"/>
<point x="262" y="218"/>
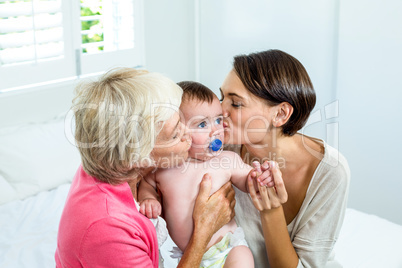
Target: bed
<point x="37" y="164"/>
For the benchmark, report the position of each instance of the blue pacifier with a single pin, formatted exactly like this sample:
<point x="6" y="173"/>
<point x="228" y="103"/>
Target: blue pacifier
<point x="215" y="146"/>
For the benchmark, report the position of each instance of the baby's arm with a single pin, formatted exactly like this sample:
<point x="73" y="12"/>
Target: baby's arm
<point x="242" y="171"/>
<point x="150" y="205"/>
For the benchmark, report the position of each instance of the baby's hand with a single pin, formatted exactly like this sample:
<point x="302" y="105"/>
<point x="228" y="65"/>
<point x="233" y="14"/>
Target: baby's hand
<point x="263" y="177"/>
<point x="151" y="208"/>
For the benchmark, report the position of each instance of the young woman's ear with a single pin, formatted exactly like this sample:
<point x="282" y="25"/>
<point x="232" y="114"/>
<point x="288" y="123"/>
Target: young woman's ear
<point x="282" y="114"/>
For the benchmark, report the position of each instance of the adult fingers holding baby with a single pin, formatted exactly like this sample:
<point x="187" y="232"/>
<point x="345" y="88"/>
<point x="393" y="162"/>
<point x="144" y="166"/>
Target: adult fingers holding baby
<point x="220" y="205"/>
<point x="271" y="195"/>
<point x="263" y="174"/>
<point x="210" y="213"/>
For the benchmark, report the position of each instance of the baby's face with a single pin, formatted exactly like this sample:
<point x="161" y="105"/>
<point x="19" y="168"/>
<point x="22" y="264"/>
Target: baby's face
<point x="204" y="120"/>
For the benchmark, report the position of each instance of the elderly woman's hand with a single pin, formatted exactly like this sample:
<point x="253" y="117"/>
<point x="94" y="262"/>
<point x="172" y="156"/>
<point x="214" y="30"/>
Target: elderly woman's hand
<point x="212" y="212"/>
<point x="268" y="197"/>
<point x="209" y="215"/>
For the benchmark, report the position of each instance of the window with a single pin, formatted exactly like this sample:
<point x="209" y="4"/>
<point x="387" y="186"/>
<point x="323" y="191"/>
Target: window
<point x="106" y="26"/>
<point x="49" y="40"/>
<point x="30" y="38"/>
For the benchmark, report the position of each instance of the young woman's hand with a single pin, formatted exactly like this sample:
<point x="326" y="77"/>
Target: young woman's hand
<point x="265" y="197"/>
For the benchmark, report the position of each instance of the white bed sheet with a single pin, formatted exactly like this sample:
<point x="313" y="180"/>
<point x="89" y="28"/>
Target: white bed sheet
<point x="368" y="241"/>
<point x="28" y="231"/>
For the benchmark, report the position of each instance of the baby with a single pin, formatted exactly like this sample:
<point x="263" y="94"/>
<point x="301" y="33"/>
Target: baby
<point x="179" y="185"/>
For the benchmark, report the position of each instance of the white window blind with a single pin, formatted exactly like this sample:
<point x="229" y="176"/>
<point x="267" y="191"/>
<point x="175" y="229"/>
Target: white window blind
<point x="48" y="40"/>
<point x="30" y="31"/>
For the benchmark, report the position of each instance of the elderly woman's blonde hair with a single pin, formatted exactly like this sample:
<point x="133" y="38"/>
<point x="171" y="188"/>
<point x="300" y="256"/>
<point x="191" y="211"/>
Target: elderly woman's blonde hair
<point x="117" y="120"/>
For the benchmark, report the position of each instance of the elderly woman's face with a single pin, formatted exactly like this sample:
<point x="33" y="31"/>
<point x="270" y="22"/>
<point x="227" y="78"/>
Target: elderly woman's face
<point x="247" y="118"/>
<point x="172" y="144"/>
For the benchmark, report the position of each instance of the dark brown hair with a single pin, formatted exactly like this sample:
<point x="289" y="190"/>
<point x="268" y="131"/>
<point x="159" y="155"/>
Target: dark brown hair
<point x="194" y="90"/>
<point x="277" y="77"/>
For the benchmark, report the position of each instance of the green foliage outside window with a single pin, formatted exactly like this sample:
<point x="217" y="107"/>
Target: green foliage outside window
<point x="93" y="25"/>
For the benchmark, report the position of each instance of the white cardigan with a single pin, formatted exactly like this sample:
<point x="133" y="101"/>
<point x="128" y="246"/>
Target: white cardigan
<point x="315" y="229"/>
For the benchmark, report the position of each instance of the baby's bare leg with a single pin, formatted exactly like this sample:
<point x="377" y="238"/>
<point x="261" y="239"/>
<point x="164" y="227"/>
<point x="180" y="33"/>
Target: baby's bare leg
<point x="239" y="257"/>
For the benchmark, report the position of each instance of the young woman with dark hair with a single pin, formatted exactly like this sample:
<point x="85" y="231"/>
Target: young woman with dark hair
<point x="267" y="98"/>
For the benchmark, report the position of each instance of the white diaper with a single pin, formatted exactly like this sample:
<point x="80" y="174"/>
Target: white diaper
<point x="215" y="256"/>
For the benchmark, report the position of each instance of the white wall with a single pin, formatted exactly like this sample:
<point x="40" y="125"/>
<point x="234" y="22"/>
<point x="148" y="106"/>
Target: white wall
<point x="169" y="38"/>
<point x="370" y="94"/>
<point x="351" y="49"/>
<point x="35" y="104"/>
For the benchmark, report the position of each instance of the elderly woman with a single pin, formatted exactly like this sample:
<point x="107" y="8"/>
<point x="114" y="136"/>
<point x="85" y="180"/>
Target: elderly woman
<point x="126" y="125"/>
<point x="267" y="98"/>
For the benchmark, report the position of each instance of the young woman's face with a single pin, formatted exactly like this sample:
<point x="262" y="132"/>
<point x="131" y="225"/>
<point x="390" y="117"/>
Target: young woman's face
<point x="247" y="118"/>
<point x="172" y="143"/>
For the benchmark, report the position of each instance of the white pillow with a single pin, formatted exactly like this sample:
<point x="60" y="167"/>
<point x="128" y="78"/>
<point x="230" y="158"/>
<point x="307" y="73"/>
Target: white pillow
<point x="35" y="158"/>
